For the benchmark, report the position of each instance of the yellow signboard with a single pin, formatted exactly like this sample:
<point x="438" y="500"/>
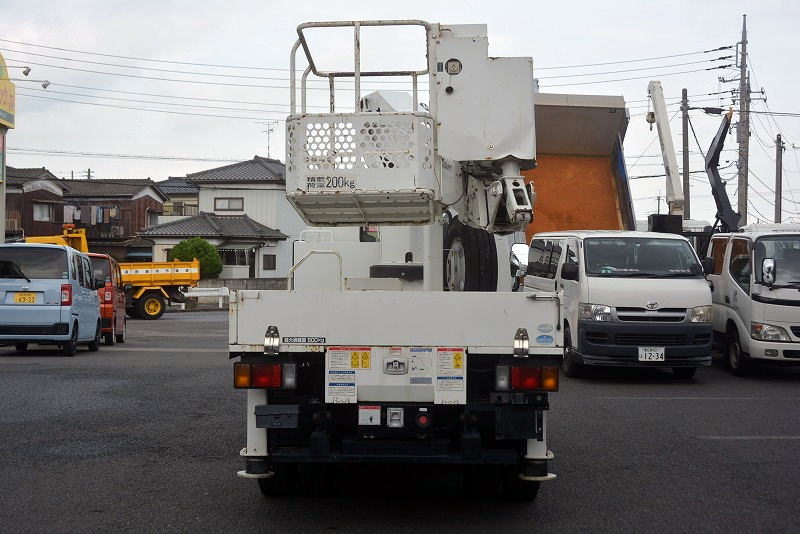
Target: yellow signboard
<point x="7" y="96"/>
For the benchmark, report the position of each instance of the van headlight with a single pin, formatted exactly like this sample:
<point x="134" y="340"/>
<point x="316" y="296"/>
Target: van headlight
<point x="768" y="332"/>
<point x="595" y="312"/>
<point x="700" y="314"/>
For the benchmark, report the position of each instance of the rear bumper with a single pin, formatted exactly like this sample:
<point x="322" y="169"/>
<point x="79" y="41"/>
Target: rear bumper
<point x="617" y="343"/>
<point x="56" y="332"/>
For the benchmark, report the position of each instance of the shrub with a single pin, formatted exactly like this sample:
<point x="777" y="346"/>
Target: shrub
<point x="197" y="247"/>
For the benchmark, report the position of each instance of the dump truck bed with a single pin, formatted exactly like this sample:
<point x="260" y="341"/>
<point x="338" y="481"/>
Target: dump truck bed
<point x="161" y="273"/>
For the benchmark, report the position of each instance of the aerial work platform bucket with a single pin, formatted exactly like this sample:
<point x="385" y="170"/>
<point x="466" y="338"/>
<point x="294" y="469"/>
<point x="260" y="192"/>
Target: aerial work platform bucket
<point x="365" y="167"/>
<point x="361" y="168"/>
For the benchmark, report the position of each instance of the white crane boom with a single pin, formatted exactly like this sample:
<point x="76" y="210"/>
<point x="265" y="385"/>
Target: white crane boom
<point x="659" y="116"/>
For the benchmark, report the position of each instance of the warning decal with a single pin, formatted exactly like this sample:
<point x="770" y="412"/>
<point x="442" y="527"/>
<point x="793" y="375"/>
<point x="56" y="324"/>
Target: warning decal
<point x="349" y="357"/>
<point x="450" y="369"/>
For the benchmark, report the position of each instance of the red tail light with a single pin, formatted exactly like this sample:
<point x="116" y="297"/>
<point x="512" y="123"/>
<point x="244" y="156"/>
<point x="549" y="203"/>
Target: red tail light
<point x="107" y="292"/>
<point x="266" y="375"/>
<point x="66" y="294"/>
<point x="526" y="377"/>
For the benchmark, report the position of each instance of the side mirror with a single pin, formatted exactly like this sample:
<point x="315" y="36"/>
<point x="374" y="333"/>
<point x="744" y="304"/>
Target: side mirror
<point x="708" y="265"/>
<point x="768" y="271"/>
<point x="519" y="260"/>
<point x="99" y="284"/>
<point x="569" y="271"/>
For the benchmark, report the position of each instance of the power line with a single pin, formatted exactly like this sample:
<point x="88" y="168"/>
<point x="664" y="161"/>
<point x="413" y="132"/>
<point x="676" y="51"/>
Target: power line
<point x="141" y="109"/>
<point x="195" y="73"/>
<point x="177" y="80"/>
<point x="631" y="60"/>
<point x="72" y="153"/>
<point x="173" y="96"/>
<point x="654" y="75"/>
<point x="143" y="58"/>
<point x="157" y="102"/>
<point x="633" y="70"/>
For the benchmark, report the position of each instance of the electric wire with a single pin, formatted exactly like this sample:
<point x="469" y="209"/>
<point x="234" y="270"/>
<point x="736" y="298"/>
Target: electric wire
<point x="632" y="60"/>
<point x="654" y="75"/>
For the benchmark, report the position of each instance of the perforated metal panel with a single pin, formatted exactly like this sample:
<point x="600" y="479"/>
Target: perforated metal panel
<point x="361" y="168"/>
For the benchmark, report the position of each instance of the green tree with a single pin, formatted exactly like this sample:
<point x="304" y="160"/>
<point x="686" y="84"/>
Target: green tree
<point x="197" y="247"/>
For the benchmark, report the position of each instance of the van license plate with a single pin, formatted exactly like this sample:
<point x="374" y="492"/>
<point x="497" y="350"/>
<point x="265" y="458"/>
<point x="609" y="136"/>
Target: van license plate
<point x="25" y="298"/>
<point x="651" y="354"/>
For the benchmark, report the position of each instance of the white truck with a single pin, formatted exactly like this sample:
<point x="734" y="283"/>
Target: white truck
<point x="756" y="295"/>
<point x="365" y="359"/>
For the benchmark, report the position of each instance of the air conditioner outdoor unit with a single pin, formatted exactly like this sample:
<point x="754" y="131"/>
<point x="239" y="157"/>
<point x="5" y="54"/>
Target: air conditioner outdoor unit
<point x="116" y="231"/>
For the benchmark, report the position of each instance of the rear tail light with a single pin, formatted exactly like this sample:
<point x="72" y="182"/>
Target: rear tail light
<point x="66" y="294"/>
<point x="107" y="292"/>
<point x="508" y="378"/>
<point x="264" y="375"/>
<point x="527" y="378"/>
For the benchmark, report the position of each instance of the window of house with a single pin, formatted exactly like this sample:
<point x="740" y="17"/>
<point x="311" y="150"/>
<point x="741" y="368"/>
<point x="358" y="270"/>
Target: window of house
<point x="43" y="212"/>
<point x="233" y="256"/>
<point x="718" y="254"/>
<point x="269" y="263"/>
<point x="229" y="204"/>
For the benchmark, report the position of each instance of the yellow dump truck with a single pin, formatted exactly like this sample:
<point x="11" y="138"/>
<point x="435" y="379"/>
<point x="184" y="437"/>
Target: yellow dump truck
<point x="148" y="285"/>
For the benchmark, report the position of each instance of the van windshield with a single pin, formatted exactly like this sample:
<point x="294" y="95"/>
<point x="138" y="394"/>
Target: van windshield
<point x="785" y="250"/>
<point x="33" y="262"/>
<point x="101" y="269"/>
<point x="640" y="257"/>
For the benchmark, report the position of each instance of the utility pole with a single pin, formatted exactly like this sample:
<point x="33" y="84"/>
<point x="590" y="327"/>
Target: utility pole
<point x="88" y="174"/>
<point x="743" y="128"/>
<point x="686" y="196"/>
<point x="778" y="177"/>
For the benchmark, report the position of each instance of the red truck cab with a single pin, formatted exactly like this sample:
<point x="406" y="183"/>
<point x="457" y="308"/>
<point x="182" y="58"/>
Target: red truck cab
<point x="112" y="298"/>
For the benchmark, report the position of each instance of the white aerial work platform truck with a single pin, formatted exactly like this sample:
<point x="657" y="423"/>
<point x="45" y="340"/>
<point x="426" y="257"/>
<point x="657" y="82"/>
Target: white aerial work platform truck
<point x="365" y="359"/>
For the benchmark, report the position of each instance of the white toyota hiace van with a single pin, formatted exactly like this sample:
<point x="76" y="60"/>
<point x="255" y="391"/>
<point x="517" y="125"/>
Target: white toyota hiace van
<point x="630" y="298"/>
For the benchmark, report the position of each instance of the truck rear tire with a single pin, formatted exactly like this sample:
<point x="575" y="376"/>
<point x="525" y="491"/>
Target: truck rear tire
<point x="150" y="306"/>
<point x="516" y="489"/>
<point x="281" y="483"/>
<point x="21" y="347"/>
<point x="470" y="259"/>
<point x="569" y="367"/>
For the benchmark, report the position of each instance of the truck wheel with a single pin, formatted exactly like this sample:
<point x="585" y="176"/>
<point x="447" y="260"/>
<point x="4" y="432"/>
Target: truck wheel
<point x="470" y="259"/>
<point x="94" y="345"/>
<point x="737" y="359"/>
<point x="684" y="373"/>
<point x="281" y="483"/>
<point x="150" y="306"/>
<point x="516" y="489"/>
<point x="569" y="367"/>
<point x="120" y="337"/>
<point x="108" y="339"/>
<point x="68" y="348"/>
<point x="21" y="347"/>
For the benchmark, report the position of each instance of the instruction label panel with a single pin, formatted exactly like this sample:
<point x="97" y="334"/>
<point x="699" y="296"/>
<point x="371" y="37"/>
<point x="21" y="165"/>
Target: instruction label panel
<point x="341" y="365"/>
<point x="451" y="363"/>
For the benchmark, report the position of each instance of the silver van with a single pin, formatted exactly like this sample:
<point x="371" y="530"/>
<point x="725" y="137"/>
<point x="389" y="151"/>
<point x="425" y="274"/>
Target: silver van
<point x="48" y="295"/>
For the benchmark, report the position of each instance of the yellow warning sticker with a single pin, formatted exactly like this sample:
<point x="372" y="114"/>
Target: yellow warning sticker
<point x="355" y="359"/>
<point x="458" y="360"/>
<point x="365" y="360"/>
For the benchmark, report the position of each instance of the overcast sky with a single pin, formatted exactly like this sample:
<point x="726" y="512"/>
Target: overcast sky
<point x="249" y="33"/>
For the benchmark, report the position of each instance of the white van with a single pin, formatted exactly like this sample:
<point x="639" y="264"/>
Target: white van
<point x="630" y="298"/>
<point x="756" y="277"/>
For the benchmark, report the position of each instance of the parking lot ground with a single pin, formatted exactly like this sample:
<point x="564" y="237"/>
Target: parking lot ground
<point x="145" y="436"/>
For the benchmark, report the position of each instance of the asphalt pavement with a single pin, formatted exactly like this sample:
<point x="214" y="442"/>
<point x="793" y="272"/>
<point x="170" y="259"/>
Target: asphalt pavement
<point x="145" y="437"/>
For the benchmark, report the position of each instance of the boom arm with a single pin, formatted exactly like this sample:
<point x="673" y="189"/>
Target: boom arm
<point x="728" y="218"/>
<point x="659" y="116"/>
